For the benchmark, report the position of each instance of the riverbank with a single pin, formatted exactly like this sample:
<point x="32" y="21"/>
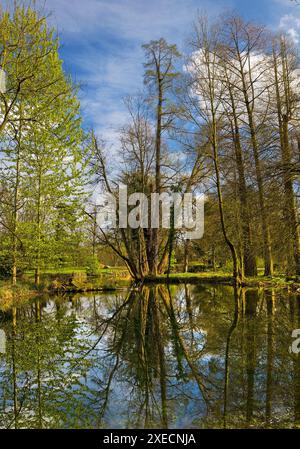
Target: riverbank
<point x="63" y="282"/>
<point x="222" y="278"/>
<point x="114" y="280"/>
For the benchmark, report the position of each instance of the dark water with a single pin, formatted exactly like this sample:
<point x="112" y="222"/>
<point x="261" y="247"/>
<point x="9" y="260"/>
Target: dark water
<point x="188" y="357"/>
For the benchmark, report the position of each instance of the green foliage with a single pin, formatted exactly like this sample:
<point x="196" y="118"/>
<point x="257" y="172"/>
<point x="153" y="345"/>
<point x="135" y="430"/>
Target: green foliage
<point x="43" y="161"/>
<point x="92" y="266"/>
<point x="198" y="267"/>
<point x="6" y="264"/>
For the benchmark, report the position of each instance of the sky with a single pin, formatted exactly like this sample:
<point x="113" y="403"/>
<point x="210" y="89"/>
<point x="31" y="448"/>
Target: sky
<point x="101" y="43"/>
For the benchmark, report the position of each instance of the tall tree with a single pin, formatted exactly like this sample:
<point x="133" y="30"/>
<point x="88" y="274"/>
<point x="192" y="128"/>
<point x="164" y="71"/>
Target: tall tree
<point x="160" y="74"/>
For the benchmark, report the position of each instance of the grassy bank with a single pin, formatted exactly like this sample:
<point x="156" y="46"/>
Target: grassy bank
<point x="220" y="277"/>
<point x="67" y="280"/>
<point x="112" y="279"/>
<point x="107" y="279"/>
<point x="15" y="296"/>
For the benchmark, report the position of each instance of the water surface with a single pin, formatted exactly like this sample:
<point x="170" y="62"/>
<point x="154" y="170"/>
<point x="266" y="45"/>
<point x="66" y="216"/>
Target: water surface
<point x="184" y="357"/>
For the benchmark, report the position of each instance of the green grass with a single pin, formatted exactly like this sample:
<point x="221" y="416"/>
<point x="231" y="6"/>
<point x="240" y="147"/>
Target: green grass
<point x="204" y="274"/>
<point x="72" y="270"/>
<point x="226" y="277"/>
<point x="116" y="277"/>
<point x="66" y="270"/>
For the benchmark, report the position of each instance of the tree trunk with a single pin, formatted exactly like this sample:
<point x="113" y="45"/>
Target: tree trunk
<point x="249" y="261"/>
<point x="155" y="232"/>
<point x="268" y="259"/>
<point x="38" y="236"/>
<point x="186" y="255"/>
<point x="15" y="212"/>
<point x="289" y="204"/>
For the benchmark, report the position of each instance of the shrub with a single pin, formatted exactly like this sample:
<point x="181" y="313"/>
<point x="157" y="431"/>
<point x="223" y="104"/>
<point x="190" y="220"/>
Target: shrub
<point x="92" y="266"/>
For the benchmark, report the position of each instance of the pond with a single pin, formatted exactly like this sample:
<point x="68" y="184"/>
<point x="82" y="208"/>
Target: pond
<point x="187" y="356"/>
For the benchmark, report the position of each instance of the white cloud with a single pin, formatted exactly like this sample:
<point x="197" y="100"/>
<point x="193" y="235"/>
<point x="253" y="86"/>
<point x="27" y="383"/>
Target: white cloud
<point x="294" y="35"/>
<point x="289" y="3"/>
<point x="132" y="19"/>
<point x="109" y="35"/>
<point x="102" y="46"/>
<point x="291" y="24"/>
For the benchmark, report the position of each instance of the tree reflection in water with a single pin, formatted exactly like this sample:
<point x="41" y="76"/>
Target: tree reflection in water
<point x="184" y="356"/>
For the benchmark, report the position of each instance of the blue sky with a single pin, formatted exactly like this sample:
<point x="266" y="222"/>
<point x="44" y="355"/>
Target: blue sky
<point x="101" y="42"/>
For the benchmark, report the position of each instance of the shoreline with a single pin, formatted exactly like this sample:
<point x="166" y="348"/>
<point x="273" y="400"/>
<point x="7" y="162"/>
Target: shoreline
<point x="27" y="289"/>
<point x="217" y="279"/>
